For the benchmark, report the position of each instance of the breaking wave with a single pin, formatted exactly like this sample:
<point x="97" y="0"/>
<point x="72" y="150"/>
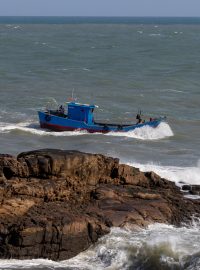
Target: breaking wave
<point x="189" y="175"/>
<point x="159" y="246"/>
<point x="147" y="133"/>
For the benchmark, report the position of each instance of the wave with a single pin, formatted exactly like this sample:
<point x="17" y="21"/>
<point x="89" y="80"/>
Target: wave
<point x="173" y="90"/>
<point x="159" y="246"/>
<point x="155" y="35"/>
<point x="147" y="133"/>
<point x="179" y="175"/>
<point x="144" y="133"/>
<point x="35" y="129"/>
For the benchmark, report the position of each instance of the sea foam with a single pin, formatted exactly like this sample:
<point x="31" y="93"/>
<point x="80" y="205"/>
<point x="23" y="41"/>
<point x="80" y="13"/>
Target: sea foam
<point x="32" y="128"/>
<point x="147" y="133"/>
<point x="189" y="175"/>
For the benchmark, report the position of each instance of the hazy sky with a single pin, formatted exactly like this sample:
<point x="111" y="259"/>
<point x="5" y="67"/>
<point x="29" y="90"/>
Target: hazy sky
<point x="100" y="8"/>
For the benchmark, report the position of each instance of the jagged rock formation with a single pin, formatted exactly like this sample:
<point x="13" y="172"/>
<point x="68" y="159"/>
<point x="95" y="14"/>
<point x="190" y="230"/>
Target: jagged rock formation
<point x="54" y="203"/>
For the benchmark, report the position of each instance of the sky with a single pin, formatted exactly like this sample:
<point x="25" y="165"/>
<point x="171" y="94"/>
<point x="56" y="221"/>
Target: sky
<point x="182" y="8"/>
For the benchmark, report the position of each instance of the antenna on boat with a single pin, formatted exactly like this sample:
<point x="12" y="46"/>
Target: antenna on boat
<point x="51" y="104"/>
<point x="72" y="98"/>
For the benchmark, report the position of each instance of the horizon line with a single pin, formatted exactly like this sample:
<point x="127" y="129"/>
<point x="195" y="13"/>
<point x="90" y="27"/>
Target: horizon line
<point x="102" y="16"/>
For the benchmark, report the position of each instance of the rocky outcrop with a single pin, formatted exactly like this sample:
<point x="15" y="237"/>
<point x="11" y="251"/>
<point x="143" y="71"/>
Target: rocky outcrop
<point x="54" y="204"/>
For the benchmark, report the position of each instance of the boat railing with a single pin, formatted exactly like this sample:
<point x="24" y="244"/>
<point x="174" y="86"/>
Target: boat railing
<point x="56" y="113"/>
<point x="113" y="125"/>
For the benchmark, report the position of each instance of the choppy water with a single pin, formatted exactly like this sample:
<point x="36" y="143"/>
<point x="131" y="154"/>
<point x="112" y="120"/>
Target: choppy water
<point x="122" y="65"/>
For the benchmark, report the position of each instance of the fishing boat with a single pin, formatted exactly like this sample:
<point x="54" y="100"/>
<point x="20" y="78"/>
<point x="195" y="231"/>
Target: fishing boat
<point x="77" y="116"/>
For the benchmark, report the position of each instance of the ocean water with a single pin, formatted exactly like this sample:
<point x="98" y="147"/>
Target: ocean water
<point x="123" y="65"/>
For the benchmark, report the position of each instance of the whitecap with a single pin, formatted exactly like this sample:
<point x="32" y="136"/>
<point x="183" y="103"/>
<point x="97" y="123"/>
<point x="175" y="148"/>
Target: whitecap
<point x="173" y="90"/>
<point x="188" y="175"/>
<point x="16" y="27"/>
<point x="154" y="35"/>
<point x="147" y="133"/>
<point x="27" y="264"/>
<point x="33" y="128"/>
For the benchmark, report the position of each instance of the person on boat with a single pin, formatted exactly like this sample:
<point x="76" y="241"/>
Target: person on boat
<point x="139" y="119"/>
<point x="61" y="110"/>
<point x="152" y="119"/>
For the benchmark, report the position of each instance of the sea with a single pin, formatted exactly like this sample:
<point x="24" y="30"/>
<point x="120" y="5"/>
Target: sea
<point x="124" y="65"/>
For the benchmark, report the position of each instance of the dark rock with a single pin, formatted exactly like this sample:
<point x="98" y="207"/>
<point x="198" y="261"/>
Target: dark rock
<point x="54" y="204"/>
<point x="195" y="189"/>
<point x="186" y="187"/>
<point x="192" y="189"/>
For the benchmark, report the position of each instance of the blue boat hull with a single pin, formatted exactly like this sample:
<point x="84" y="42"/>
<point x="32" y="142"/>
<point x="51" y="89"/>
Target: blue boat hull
<point x="57" y="123"/>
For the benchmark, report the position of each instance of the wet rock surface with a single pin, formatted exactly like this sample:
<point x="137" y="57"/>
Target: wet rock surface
<point x="191" y="189"/>
<point x="55" y="204"/>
